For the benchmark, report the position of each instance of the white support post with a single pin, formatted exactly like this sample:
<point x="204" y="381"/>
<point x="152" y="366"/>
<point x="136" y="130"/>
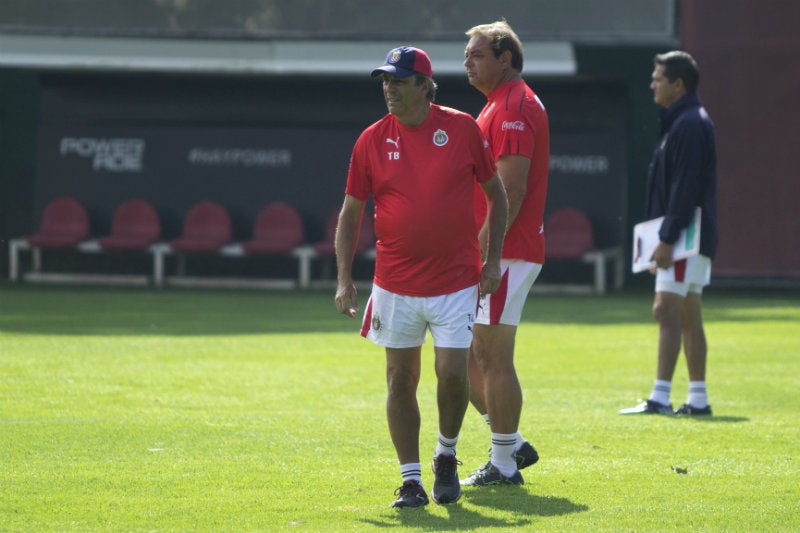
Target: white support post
<point x="304" y="254"/>
<point x="15" y="246"/>
<point x="159" y="251"/>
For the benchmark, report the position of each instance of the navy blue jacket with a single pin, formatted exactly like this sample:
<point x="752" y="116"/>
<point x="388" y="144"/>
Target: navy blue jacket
<point x="683" y="173"/>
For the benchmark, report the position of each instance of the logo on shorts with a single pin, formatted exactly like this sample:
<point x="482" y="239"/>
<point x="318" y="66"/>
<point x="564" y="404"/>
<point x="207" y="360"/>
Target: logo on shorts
<point x="440" y="137"/>
<point x="376" y="323"/>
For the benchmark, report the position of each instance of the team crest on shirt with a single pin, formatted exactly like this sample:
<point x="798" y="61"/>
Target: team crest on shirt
<point x="440" y="138"/>
<point x="376" y="323"/>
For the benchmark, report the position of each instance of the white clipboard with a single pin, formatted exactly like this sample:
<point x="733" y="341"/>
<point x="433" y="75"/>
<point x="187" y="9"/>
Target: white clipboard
<point x="645" y="240"/>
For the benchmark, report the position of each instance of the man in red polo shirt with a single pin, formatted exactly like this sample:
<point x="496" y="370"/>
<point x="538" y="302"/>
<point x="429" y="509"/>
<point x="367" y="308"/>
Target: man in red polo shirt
<point x="420" y="164"/>
<point x="515" y="122"/>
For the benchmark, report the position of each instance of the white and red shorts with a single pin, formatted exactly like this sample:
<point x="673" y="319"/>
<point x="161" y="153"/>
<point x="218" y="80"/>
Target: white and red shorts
<point x="685" y="276"/>
<point x="504" y="306"/>
<point x="396" y="321"/>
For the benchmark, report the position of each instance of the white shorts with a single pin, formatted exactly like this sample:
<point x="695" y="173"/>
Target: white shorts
<point x="686" y="275"/>
<point x="396" y="321"/>
<point x="504" y="306"/>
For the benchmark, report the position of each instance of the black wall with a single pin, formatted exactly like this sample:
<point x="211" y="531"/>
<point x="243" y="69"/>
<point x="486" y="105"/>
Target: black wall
<point x="19" y="100"/>
<point x="245" y="142"/>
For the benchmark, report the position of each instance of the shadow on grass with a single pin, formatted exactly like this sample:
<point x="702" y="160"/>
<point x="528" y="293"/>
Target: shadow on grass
<point x="523" y="507"/>
<point x="716" y="419"/>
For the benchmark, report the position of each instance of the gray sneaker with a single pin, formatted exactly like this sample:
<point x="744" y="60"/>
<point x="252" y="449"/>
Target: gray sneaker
<point x="648" y="407"/>
<point x="410" y="494"/>
<point x="525" y="457"/>
<point x="690" y="410"/>
<point x="491" y="476"/>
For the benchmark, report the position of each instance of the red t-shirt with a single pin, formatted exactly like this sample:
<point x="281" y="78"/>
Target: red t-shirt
<point x="422" y="181"/>
<point x="515" y="122"/>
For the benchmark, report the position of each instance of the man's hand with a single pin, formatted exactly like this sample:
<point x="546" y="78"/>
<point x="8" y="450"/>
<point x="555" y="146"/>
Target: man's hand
<point x="663" y="255"/>
<point x="347" y="299"/>
<point x="490" y="277"/>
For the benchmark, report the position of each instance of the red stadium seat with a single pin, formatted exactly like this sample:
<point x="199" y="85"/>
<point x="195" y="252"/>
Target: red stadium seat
<point x="206" y="227"/>
<point x="278" y="229"/>
<point x="366" y="237"/>
<point x="64" y="224"/>
<point x="325" y="250"/>
<point x="135" y="226"/>
<point x="570" y="236"/>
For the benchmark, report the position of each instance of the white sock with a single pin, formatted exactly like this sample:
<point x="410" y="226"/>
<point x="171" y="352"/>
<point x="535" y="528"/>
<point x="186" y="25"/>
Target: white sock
<point x="517" y="435"/>
<point x="661" y="390"/>
<point x="411" y="472"/>
<point x="503" y="456"/>
<point x="446" y="446"/>
<point x="698" y="396"/>
<point x="520" y="441"/>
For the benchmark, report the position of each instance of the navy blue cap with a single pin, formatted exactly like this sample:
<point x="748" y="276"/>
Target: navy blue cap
<point x="405" y="61"/>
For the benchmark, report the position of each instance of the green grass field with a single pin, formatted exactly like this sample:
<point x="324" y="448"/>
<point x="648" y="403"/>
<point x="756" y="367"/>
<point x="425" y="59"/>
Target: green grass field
<point x="139" y="410"/>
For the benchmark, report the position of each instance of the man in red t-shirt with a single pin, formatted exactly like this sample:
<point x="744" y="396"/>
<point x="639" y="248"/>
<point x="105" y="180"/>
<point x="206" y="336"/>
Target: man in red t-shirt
<point x="420" y="164"/>
<point x="515" y="123"/>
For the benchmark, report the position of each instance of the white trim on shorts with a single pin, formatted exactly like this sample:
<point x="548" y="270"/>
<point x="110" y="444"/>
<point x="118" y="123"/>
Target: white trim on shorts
<point x="681" y="279"/>
<point x="504" y="306"/>
<point x="397" y="321"/>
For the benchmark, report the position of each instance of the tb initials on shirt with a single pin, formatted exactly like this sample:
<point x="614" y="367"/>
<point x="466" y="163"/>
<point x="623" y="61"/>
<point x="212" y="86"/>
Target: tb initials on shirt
<point x="393" y="155"/>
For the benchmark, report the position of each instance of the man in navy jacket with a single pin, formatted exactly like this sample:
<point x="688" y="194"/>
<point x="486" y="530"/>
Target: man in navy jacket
<point x="682" y="177"/>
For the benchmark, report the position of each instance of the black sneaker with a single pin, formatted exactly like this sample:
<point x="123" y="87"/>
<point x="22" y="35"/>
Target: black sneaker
<point x="446" y="488"/>
<point x="491" y="476"/>
<point x="690" y="410"/>
<point x="410" y="494"/>
<point x="526" y="455"/>
<point x="648" y="407"/>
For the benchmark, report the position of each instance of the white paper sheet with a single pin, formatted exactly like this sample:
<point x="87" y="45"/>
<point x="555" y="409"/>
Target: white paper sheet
<point x="645" y="240"/>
